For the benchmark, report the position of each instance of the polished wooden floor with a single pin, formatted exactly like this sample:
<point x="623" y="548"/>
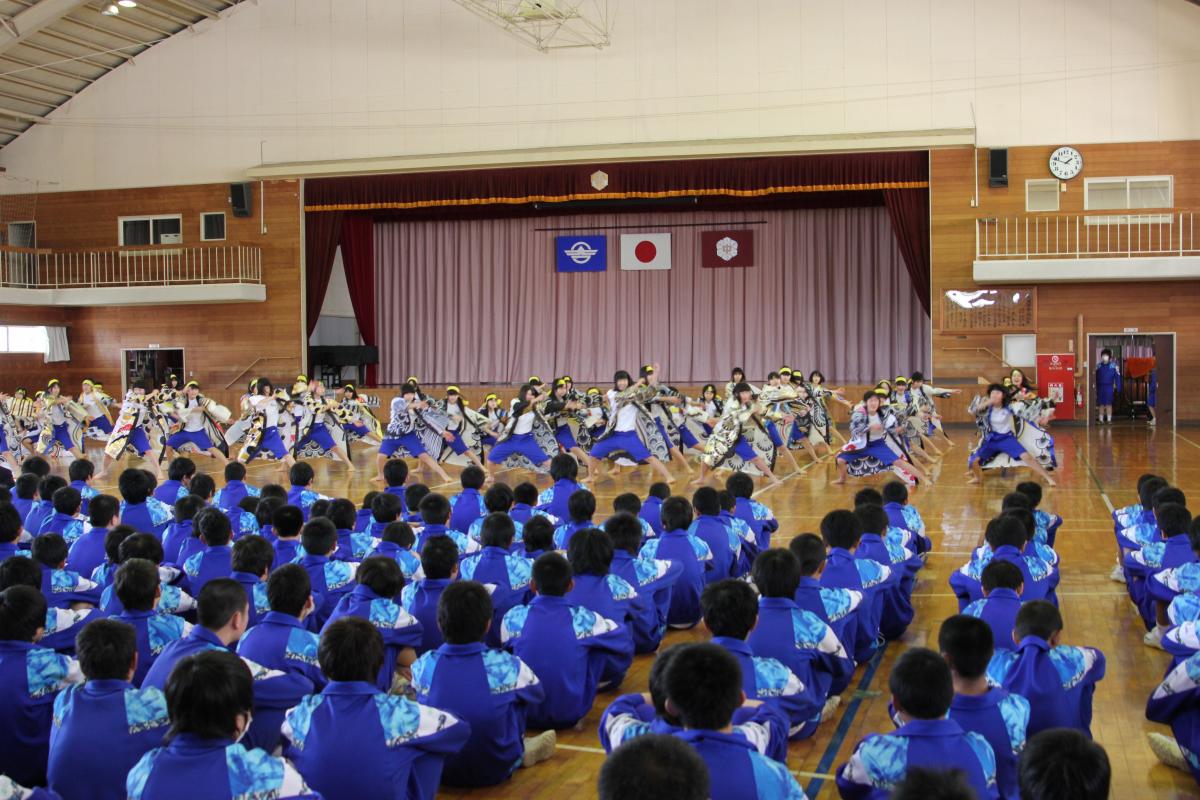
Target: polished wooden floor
<point x="1098" y="469"/>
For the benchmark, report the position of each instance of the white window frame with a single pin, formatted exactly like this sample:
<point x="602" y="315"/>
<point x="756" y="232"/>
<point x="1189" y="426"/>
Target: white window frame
<point x="145" y="218"/>
<point x="5" y="349"/>
<point x="1170" y="179"/>
<point x="1042" y="182"/>
<point x="224" y="225"/>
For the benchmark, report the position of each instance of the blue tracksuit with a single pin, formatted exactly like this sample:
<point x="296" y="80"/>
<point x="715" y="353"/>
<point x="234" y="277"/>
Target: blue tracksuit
<point x="154" y="632"/>
<point x="303" y="498"/>
<point x="87" y="552"/>
<point x="760" y="518"/>
<point x="1058" y="682"/>
<point x="1040" y="577"/>
<point x="724" y="545"/>
<point x="554" y="500"/>
<point x="999" y="610"/>
<point x="652" y="513"/>
<point x="232" y="493"/>
<point x="653" y="580"/>
<point x="30" y="678"/>
<point x="695" y="557"/>
<point x="1000" y="718"/>
<point x="208" y="564"/>
<point x="420" y="599"/>
<point x="1176" y="702"/>
<point x="739" y="772"/>
<point x="837" y="608"/>
<point x="398" y="628"/>
<point x="843" y="570"/>
<point x="803" y="643"/>
<point x="281" y="642"/>
<point x="152" y="516"/>
<point x="466" y="507"/>
<point x="770" y="681"/>
<point x="169" y="492"/>
<point x="213" y="769"/>
<point x="330" y="580"/>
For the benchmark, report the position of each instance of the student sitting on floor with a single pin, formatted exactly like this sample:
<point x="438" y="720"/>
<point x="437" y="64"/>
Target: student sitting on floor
<point x="395" y="474"/>
<point x="610" y="596"/>
<point x="179" y="475"/>
<point x="300" y="476"/>
<point x="651" y="578"/>
<point x="61" y="624"/>
<point x="352" y="722"/>
<point x="351" y="546"/>
<point x="103" y="727"/>
<point x="171" y="599"/>
<point x="1047" y="523"/>
<point x="841" y="531"/>
<point x="897" y="612"/>
<point x="330" y="579"/>
<point x="439" y="566"/>
<point x="730" y="613"/>
<point x="837" y="608"/>
<point x="657" y="766"/>
<point x="211" y="701"/>
<point x="216" y="559"/>
<point x="286" y="523"/>
<point x="581" y="507"/>
<point x="567" y="645"/>
<point x="414" y="493"/>
<point x="1002" y="584"/>
<point x="375" y="599"/>
<point x="87" y="552"/>
<point x="251" y="562"/>
<point x="235" y="489"/>
<point x="467" y="505"/>
<point x="1006" y="539"/>
<point x="692" y="554"/>
<point x="181" y="540"/>
<point x="498" y="499"/>
<point x="539" y="536"/>
<point x="1057" y="680"/>
<point x="397" y="544"/>
<point x="43" y="508"/>
<point x="490" y="690"/>
<point x="525" y="497"/>
<point x="1176" y="702"/>
<point x="1063" y="763"/>
<point x="904" y="516"/>
<point x="362" y="517"/>
<point x="704" y="689"/>
<point x="435" y="511"/>
<point x="754" y="513"/>
<point x="922" y="693"/>
<point x="564" y="471"/>
<point x="651" y="510"/>
<point x="137" y="587"/>
<point x="386" y="508"/>
<point x="630" y="503"/>
<point x="723" y="543"/>
<point x="495" y="565"/>
<point x="999" y="717"/>
<point x="1173" y="549"/>
<point x="68" y="519"/>
<point x="741" y="529"/>
<point x="62" y="587"/>
<point x="1021" y="511"/>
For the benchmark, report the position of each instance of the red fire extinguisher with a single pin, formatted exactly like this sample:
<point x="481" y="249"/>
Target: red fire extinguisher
<point x="1078" y="397"/>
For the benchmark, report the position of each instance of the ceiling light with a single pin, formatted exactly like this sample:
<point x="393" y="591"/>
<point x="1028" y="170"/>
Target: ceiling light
<point x="110" y="10"/>
<point x="127" y="3"/>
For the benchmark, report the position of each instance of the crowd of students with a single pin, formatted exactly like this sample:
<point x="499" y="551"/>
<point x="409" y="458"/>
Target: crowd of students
<point x="259" y="641"/>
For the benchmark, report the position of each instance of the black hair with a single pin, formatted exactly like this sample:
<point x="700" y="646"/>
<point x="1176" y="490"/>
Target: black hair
<point x="439" y="557"/>
<point x="921" y="685"/>
<point x="235" y="471"/>
<point x="464" y="612"/>
<point x="136" y="583"/>
<point x="499" y="497"/>
<point x="35" y="465"/>
<point x="740" y="485"/>
<point x="180" y="467"/>
<point x="538" y="534"/>
<point x="435" y="509"/>
<point x="414" y="494"/>
<point x="318" y="537"/>
<point x="1038" y="618"/>
<point x="399" y="533"/>
<point x="1148" y="488"/>
<point x="219" y="600"/>
<point x="933" y="784"/>
<point x="252" y="554"/>
<point x="203" y="486"/>
<point x="249" y="504"/>
<point x="10" y="523"/>
<point x="660" y="490"/>
<point x="1005" y="530"/>
<point x="872" y="518"/>
<point x="655" y="765"/>
<point x="206" y="693"/>
<point x="288" y="589"/>
<point x="590" y="552"/>
<point x="727" y="501"/>
<point x="1025" y="517"/>
<point x="287" y="521"/>
<point x="895" y="492"/>
<point x="1171" y="494"/>
<point x="370" y="496"/>
<point x="628" y="502"/>
<point x="48" y="486"/>
<point x="382" y="575"/>
<point x="1106" y="352"/>
<point x="20" y="571"/>
<point x="581" y="505"/>
<point x="497" y="530"/>
<point x="187" y="507"/>
<point x="50" y="550"/>
<point x="139" y="545"/>
<point x="526" y="493"/>
<point x="1015" y="500"/>
<point x="1000" y="574"/>
<point x="106" y="649"/>
<point x="676" y="514"/>
<point x="841" y="528"/>
<point x="343" y="514"/>
<point x="730" y="608"/>
<point x="967" y="645"/>
<point x="624" y="529"/>
<point x="81" y="469"/>
<point x="657" y="683"/>
<point x="868" y="497"/>
<point x="213" y="527"/>
<point x="1063" y="764"/>
<point x="301" y="474"/>
<point x="472" y="477"/>
<point x="102" y="509"/>
<point x="564" y="467"/>
<point x="552" y="574"/>
<point x="706" y="501"/>
<point x="27" y="485"/>
<point x="273" y="490"/>
<point x="395" y="472"/>
<point x="776" y="573"/>
<point x="809" y="550"/>
<point x="264" y="511"/>
<point x="351" y="649"/>
<point x="22" y="613"/>
<point x="319" y="508"/>
<point x="704" y="686"/>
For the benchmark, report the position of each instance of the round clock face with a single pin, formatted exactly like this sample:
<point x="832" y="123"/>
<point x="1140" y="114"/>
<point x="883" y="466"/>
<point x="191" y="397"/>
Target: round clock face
<point x="1065" y="163"/>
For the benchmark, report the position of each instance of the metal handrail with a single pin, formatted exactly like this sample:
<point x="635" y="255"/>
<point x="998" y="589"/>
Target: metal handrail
<point x="146" y="265"/>
<point x="1108" y="235"/>
<point x="254" y="364"/>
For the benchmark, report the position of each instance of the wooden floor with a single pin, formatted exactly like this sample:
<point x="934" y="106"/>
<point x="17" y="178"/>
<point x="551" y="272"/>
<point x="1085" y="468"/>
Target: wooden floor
<point x="1098" y="470"/>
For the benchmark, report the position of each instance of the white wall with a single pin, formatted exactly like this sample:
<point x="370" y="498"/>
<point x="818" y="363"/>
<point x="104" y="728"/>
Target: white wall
<point x="341" y="79"/>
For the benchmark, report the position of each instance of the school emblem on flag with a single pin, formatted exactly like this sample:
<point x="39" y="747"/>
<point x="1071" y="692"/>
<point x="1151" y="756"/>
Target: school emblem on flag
<point x="580" y="253"/>
<point x="645" y="251"/>
<point x="727" y="249"/>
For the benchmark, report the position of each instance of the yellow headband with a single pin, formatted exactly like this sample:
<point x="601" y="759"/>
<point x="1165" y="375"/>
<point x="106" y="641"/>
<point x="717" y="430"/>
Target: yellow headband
<point x="534" y="379"/>
<point x="491" y="396"/>
<point x="190" y="384"/>
<point x="568" y="379"/>
<point x="349" y="387"/>
<point x="785" y="371"/>
<point x="593" y="390"/>
<point x="52" y="382"/>
<point x="86" y="382"/>
<point x="453" y="389"/>
<point x="411" y="379"/>
<point x="901" y="379"/>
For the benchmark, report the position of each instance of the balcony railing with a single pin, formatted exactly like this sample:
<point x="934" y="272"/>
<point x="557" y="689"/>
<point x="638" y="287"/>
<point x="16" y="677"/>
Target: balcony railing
<point x="1117" y="235"/>
<point x="154" y="265"/>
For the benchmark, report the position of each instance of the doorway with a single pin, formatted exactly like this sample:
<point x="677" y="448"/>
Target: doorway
<point x="152" y="365"/>
<point x="1147" y="365"/>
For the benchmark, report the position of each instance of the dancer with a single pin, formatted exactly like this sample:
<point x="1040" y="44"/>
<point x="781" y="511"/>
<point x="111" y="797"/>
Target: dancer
<point x="528" y="438"/>
<point x="361" y="423"/>
<point x="803" y="432"/>
<point x="320" y="425"/>
<point x="130" y="431"/>
<point x="93" y="398"/>
<point x="740" y="435"/>
<point x="875" y="445"/>
<point x="496" y="418"/>
<point x="1001" y="422"/>
<point x="821" y="394"/>
<point x="10" y="440"/>
<point x="561" y="408"/>
<point x="462" y="434"/>
<point x="200" y="419"/>
<point x="926" y="406"/>
<point x="237" y="431"/>
<point x="631" y="430"/>
<point x="779" y="418"/>
<point x="23" y="410"/>
<point x="413" y="428"/>
<point x="908" y="412"/>
<point x="62" y="422"/>
<point x="661" y="405"/>
<point x="264" y="433"/>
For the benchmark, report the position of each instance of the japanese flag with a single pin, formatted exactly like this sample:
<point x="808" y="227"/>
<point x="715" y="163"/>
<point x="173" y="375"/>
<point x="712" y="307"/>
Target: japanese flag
<point x="645" y="251"/>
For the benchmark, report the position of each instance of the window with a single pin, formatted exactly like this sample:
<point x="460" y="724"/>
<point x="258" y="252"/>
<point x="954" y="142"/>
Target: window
<point x="23" y="339"/>
<point x="160" y="229"/>
<point x="1141" y="191"/>
<point x="212" y="226"/>
<point x="1041" y="195"/>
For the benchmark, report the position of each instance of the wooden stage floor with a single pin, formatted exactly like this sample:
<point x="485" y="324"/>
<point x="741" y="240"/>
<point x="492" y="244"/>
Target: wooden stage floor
<point x="1098" y="469"/>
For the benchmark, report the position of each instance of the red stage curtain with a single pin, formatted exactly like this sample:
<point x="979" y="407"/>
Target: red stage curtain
<point x="909" y="210"/>
<point x="358" y="256"/>
<point x="749" y="178"/>
<point x="321" y="234"/>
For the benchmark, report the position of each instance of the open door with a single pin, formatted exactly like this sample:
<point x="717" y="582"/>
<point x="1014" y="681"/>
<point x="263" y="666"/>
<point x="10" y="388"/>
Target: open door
<point x="1147" y="365"/>
<point x="1162" y="386"/>
<point x="153" y="366"/>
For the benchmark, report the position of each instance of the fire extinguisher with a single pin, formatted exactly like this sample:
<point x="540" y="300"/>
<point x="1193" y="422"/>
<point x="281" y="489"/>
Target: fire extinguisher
<point x="1078" y="397"/>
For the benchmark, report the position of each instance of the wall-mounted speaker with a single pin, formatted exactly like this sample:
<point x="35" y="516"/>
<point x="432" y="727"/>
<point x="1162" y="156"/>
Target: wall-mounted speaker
<point x="998" y="167"/>
<point x="241" y="198"/>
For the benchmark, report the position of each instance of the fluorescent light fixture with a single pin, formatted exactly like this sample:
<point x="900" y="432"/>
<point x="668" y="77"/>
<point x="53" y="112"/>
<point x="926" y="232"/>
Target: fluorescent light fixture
<point x="127" y="3"/>
<point x="110" y="10"/>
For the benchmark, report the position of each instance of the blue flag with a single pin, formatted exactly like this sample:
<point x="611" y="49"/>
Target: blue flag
<point x="580" y="253"/>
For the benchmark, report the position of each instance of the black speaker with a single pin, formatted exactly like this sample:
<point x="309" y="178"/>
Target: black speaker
<point x="241" y="197"/>
<point x="997" y="167"/>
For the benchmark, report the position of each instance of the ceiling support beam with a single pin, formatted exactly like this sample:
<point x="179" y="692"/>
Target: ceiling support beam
<point x="34" y="18"/>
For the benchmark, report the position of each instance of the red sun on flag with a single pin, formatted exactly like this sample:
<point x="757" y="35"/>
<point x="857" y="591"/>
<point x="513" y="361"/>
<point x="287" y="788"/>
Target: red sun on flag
<point x="645" y="252"/>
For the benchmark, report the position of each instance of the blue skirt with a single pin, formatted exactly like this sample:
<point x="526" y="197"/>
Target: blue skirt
<point x="409" y="441"/>
<point x="994" y="445"/>
<point x="877" y="448"/>
<point x="522" y="443"/>
<point x="628" y="441"/>
<point x="564" y="437"/>
<point x="773" y="432"/>
<point x="101" y="422"/>
<point x="198" y="438"/>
